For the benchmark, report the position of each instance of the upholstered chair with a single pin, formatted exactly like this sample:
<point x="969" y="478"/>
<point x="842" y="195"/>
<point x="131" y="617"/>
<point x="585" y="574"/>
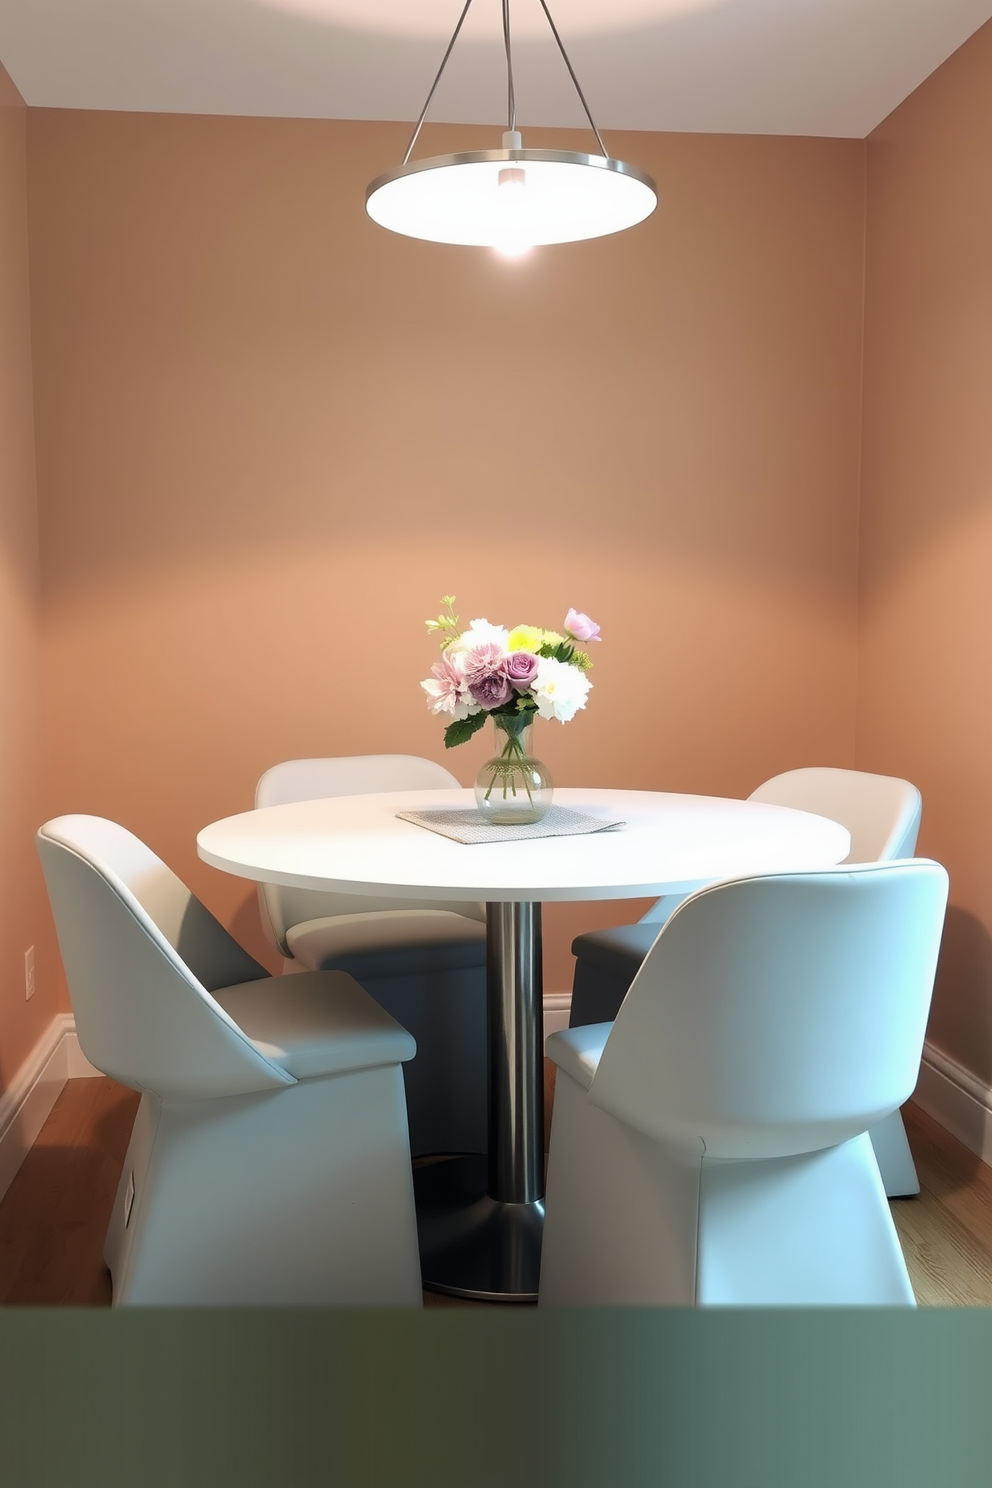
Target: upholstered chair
<point x="269" y="1161"/>
<point x="882" y="814"/>
<point x="709" y="1146"/>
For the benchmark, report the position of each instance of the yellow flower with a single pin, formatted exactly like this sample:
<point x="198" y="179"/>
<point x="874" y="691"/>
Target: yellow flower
<point x="551" y="638"/>
<point x="525" y="638"/>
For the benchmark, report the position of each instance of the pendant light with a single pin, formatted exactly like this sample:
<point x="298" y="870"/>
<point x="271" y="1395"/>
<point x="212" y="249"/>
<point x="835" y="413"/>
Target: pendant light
<point x="510" y="199"/>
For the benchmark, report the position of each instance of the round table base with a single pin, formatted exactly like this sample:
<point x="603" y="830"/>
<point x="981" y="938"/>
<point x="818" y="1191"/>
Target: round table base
<point x="471" y="1245"/>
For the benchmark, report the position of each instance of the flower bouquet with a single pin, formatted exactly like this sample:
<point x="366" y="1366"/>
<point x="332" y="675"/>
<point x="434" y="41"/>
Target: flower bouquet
<point x="511" y="676"/>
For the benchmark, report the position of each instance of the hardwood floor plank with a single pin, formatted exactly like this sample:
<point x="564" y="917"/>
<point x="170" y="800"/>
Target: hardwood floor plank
<point x="955" y="1177"/>
<point x="946" y="1232"/>
<point x="946" y="1266"/>
<point x="54" y="1215"/>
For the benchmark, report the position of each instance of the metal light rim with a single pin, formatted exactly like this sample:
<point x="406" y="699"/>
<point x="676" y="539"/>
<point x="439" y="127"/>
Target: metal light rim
<point x="516" y="157"/>
<point x="488" y="157"/>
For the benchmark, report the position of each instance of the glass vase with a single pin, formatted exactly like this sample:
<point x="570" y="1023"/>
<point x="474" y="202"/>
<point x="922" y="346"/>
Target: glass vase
<point x="513" y="787"/>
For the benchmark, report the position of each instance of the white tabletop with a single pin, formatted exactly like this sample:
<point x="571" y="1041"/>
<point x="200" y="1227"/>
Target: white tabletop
<point x="668" y="844"/>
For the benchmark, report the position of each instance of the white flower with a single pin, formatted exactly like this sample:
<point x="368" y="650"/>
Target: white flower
<point x="559" y="689"/>
<point x="479" y="631"/>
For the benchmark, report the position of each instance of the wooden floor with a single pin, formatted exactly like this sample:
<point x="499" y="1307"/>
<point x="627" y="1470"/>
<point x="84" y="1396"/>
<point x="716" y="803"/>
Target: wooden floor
<point x="55" y="1213"/>
<point x="946" y="1232"/>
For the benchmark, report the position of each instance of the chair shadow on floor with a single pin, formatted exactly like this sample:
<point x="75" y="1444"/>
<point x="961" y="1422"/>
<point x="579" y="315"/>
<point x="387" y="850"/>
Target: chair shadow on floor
<point x="54" y="1216"/>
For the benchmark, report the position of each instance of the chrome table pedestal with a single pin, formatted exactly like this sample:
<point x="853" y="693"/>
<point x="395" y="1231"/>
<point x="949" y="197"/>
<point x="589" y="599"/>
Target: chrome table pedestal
<point x="481" y="1218"/>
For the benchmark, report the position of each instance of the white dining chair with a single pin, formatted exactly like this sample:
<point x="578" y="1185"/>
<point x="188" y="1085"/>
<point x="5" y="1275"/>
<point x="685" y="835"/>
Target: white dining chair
<point x="882" y="814"/>
<point x="269" y="1161"/>
<point x="423" y="961"/>
<point x="709" y="1146"/>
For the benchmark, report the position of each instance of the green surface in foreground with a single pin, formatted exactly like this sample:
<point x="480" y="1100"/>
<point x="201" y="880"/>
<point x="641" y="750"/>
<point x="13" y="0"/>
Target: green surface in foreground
<point x="398" y="1400"/>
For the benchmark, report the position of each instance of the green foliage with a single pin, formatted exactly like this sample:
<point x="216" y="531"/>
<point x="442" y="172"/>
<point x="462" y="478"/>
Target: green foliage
<point x="514" y="716"/>
<point x="463" y="729"/>
<point x="446" y="624"/>
<point x="566" y="652"/>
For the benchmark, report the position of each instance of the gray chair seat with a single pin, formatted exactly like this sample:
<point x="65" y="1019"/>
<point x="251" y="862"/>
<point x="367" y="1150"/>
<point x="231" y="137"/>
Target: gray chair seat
<point x="320" y="1023"/>
<point x="607" y="961"/>
<point x="393" y="943"/>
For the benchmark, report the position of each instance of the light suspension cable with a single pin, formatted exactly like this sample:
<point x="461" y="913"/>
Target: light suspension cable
<point x="510" y="198"/>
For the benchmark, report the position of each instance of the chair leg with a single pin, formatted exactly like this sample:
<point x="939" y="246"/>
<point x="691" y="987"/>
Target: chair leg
<point x="809" y="1230"/>
<point x="895" y="1161"/>
<point x="301" y="1196"/>
<point x="630" y="1223"/>
<point x="446" y="1080"/>
<point x="620" y="1227"/>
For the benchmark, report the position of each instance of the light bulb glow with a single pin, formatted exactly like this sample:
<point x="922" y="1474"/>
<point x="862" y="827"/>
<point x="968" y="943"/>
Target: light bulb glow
<point x="512" y="236"/>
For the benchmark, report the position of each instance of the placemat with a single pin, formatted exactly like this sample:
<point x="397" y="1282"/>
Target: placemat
<point x="466" y="825"/>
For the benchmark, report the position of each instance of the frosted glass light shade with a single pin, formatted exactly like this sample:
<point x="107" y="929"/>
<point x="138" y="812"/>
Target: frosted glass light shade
<point x="458" y="198"/>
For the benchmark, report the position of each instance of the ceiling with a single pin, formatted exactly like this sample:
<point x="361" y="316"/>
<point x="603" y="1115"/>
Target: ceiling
<point x="815" y="67"/>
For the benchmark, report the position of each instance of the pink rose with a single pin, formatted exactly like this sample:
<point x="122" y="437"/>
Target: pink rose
<point x="580" y="627"/>
<point x="521" y="669"/>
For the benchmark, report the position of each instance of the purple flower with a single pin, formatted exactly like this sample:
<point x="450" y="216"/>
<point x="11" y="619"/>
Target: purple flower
<point x="484" y="670"/>
<point x="580" y="627"/>
<point x="491" y="691"/>
<point x="521" y="669"/>
<point x="482" y="661"/>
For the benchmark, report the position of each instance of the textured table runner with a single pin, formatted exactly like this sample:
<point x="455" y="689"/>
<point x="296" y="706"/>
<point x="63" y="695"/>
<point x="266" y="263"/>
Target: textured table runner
<point x="466" y="825"/>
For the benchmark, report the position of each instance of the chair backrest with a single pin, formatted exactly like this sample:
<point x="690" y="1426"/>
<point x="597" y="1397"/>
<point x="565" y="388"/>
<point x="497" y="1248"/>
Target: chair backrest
<point x="344" y="775"/>
<point x="881" y="812"/>
<point x="141" y="953"/>
<point x="789" y="1003"/>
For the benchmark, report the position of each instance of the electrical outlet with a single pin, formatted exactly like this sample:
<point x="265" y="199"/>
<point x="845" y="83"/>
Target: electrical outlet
<point x="29" y="973"/>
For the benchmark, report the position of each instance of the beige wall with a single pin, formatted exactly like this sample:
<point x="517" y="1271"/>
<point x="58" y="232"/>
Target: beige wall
<point x="272" y="435"/>
<point x="925" y="702"/>
<point x="23" y="919"/>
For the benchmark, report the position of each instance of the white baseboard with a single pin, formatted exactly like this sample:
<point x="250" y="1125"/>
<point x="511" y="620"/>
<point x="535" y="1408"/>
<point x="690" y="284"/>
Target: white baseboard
<point x="956" y="1098"/>
<point x="557" y="1006"/>
<point x="27" y="1102"/>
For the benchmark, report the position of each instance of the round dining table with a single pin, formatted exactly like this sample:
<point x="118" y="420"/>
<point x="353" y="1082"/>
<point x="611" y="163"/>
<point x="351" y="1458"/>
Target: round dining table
<point x="480" y="1218"/>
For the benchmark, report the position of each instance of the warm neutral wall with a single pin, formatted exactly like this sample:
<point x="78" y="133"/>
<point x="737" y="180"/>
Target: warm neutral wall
<point x="925" y="704"/>
<point x="271" y="435"/>
<point x="23" y="921"/>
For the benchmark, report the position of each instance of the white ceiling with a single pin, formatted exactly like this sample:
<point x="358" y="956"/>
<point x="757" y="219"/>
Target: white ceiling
<point x="819" y="67"/>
